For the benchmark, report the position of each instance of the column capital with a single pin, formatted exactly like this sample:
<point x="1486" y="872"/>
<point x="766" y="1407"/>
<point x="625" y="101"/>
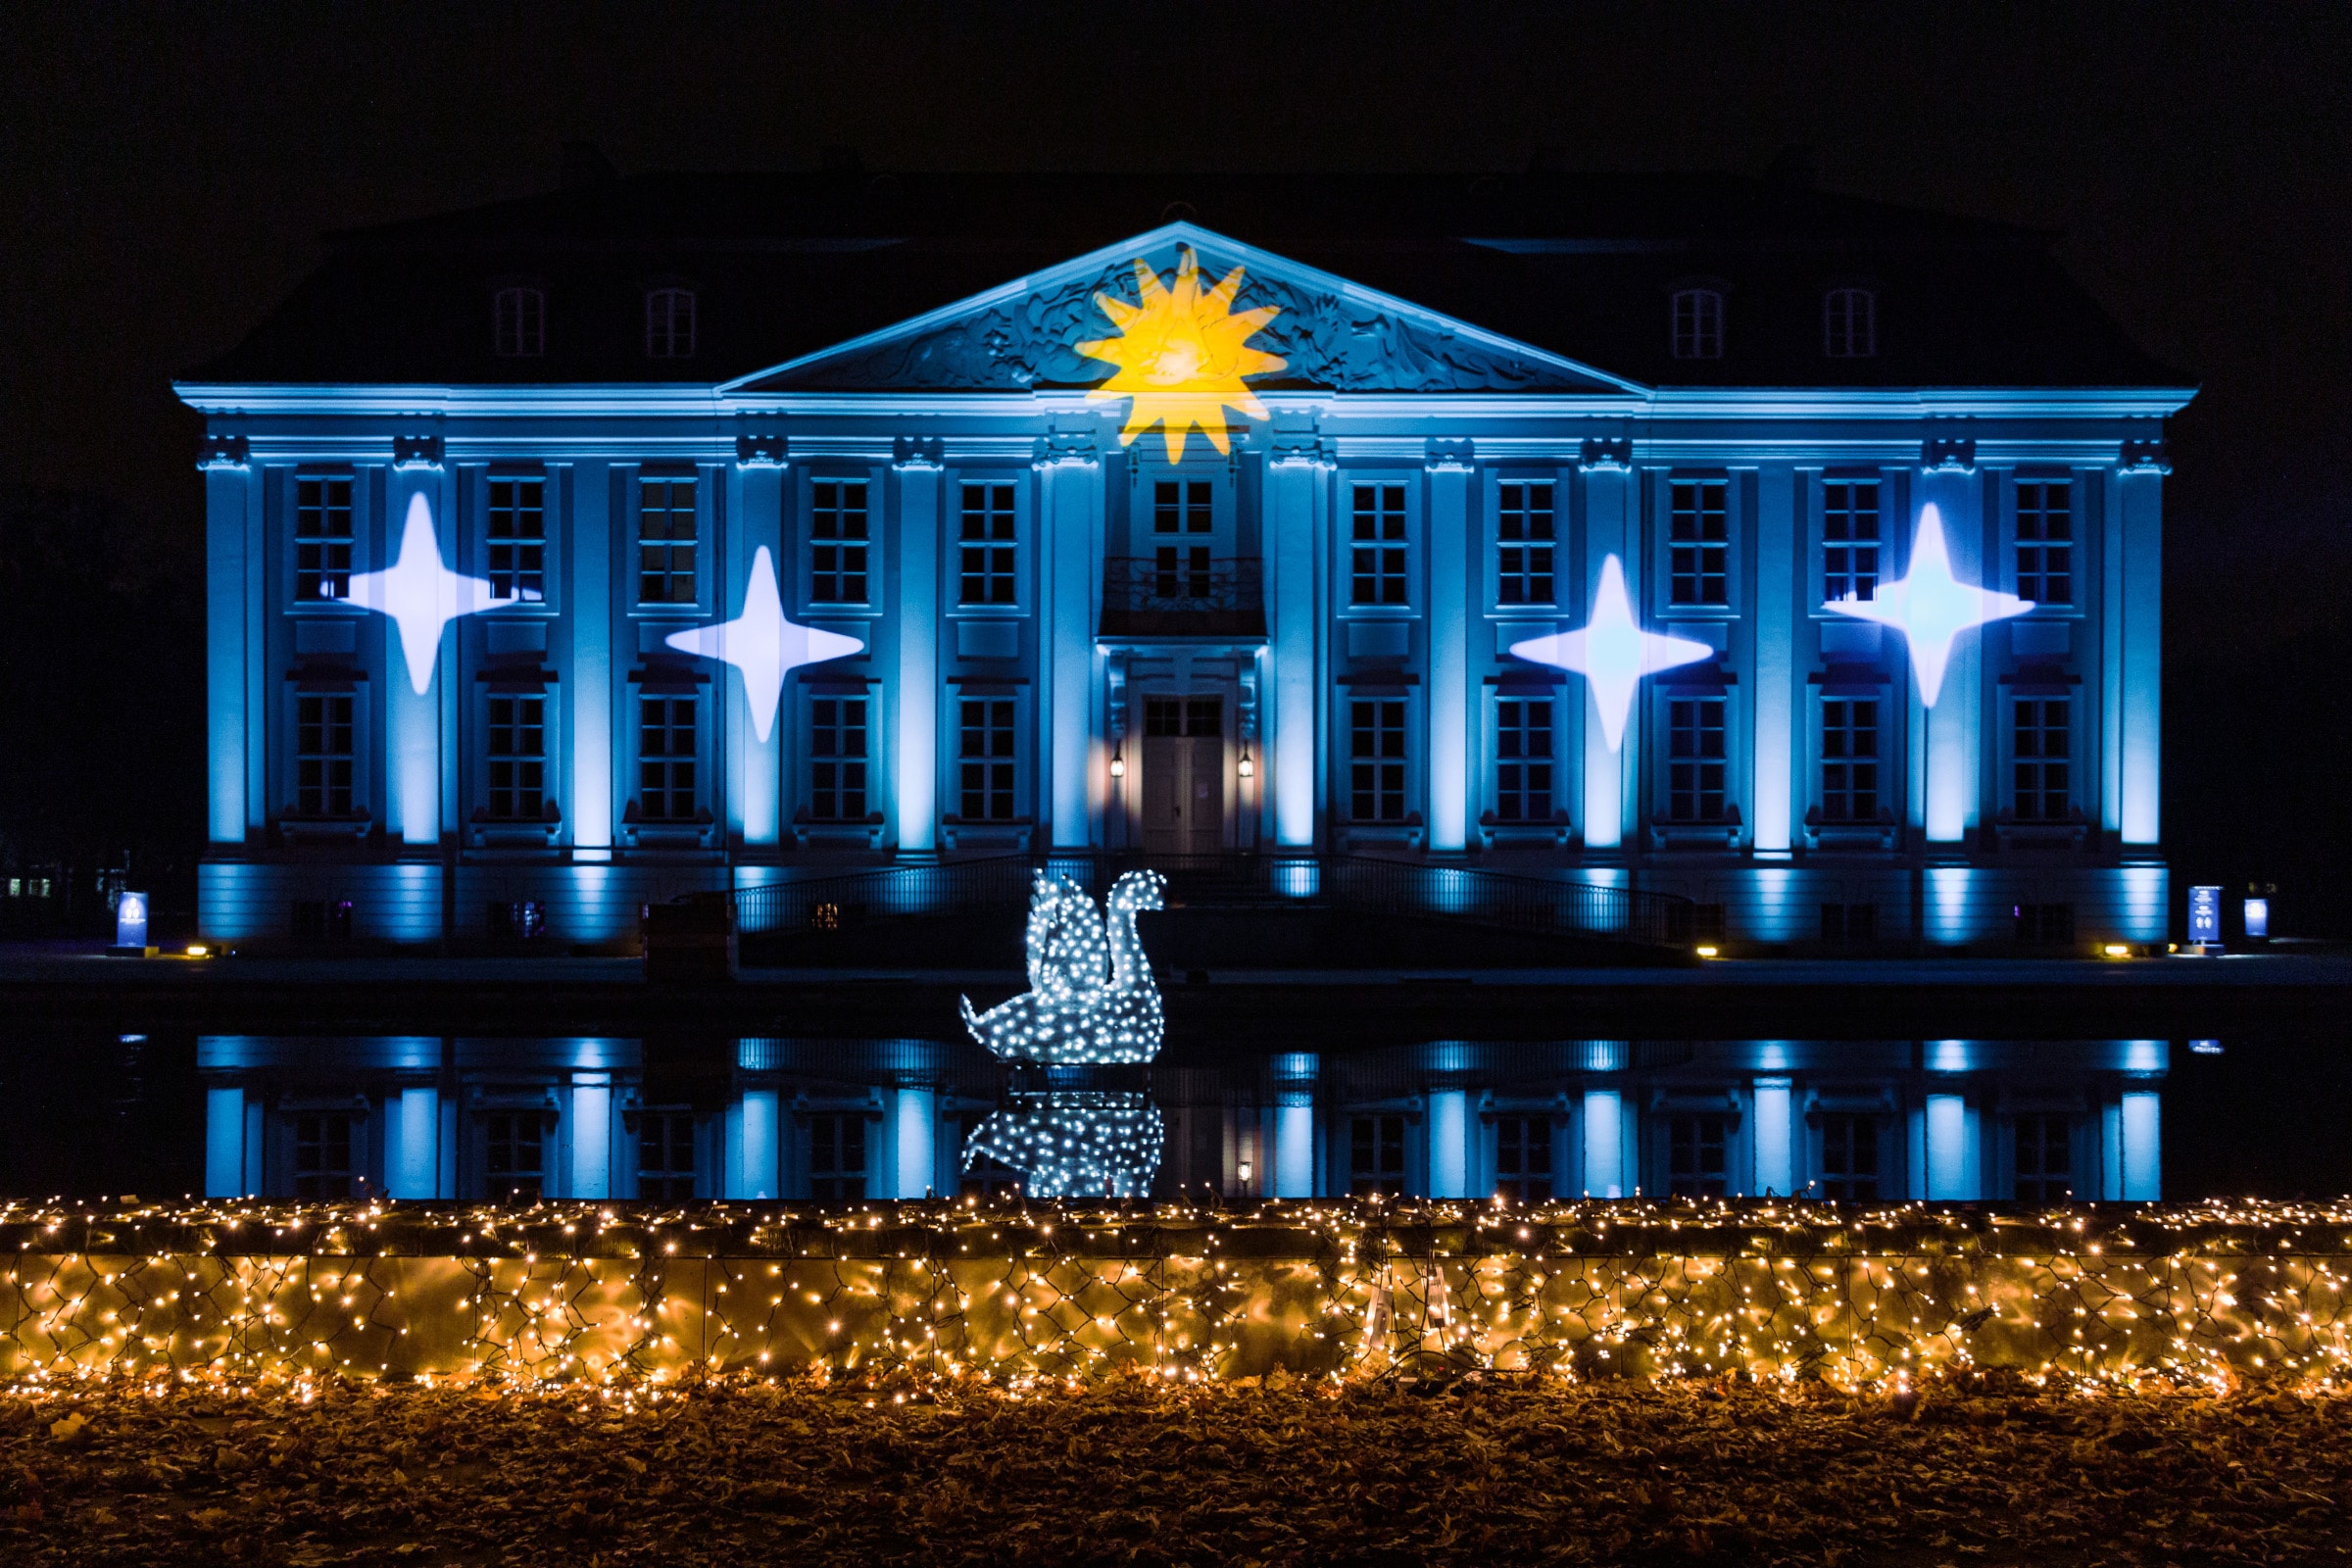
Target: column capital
<point x="1606" y="454"/>
<point x="761" y="449"/>
<point x="2146" y="455"/>
<point x="1449" y="455"/>
<point x="417" y="449"/>
<point x="919" y="452"/>
<point x="1075" y="447"/>
<point x="217" y="450"/>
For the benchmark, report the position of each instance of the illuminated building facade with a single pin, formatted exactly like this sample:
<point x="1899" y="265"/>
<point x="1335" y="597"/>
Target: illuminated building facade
<point x="682" y="532"/>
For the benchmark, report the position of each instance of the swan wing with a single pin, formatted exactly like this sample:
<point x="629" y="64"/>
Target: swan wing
<point x="1067" y="948"/>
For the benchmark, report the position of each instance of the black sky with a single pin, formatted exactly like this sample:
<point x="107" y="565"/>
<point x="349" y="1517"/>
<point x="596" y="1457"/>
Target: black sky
<point x="165" y="174"/>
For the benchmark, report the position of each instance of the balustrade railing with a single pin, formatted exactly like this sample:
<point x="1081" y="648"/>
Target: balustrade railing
<point x="1183" y="590"/>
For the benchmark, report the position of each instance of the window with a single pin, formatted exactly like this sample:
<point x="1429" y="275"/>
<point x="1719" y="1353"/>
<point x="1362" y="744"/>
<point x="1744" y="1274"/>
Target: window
<point x="669" y="323"/>
<point x="837" y="542"/>
<point x="517" y="757"/>
<point x="323" y="1162"/>
<point x="1849" y="759"/>
<point x="1524" y="544"/>
<point x="837" y="1156"/>
<point x="519" y="323"/>
<point x="1694" y="762"/>
<point x="519" y="540"/>
<point x="984" y="759"/>
<point x="1849" y="538"/>
<point x="1698" y="542"/>
<point x="1182" y="508"/>
<point x="665" y="758"/>
<point x="1375" y="758"/>
<point x="1698" y="324"/>
<point x="322" y="752"/>
<point x="1377" y="559"/>
<point x="665" y="1155"/>
<point x="1376" y="1157"/>
<point x="2045" y="547"/>
<point x="1695" y="1156"/>
<point x="322" y="539"/>
<point x="665" y="542"/>
<point x="1849" y="1158"/>
<point x="1849" y="324"/>
<point x="1523" y="759"/>
<point x="1850" y="922"/>
<point x="2038" y="738"/>
<point x="1522" y="1158"/>
<point x="989" y="546"/>
<point x="2045" y="1161"/>
<point x="1184" y="716"/>
<point x="837" y="759"/>
<point x="512" y="1147"/>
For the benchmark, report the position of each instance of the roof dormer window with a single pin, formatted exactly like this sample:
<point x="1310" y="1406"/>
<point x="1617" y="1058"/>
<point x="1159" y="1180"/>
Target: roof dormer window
<point x="519" y="323"/>
<point x="1849" y="318"/>
<point x="1697" y="323"/>
<point x="669" y="323"/>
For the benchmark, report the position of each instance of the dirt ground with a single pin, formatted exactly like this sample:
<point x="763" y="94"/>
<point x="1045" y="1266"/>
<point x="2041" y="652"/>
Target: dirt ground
<point x="1472" y="1470"/>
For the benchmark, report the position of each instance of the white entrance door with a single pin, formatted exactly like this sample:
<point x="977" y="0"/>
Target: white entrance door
<point x="1184" y="775"/>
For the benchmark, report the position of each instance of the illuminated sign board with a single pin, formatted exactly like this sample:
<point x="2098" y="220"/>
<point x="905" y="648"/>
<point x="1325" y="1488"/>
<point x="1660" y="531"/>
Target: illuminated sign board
<point x="2258" y="919"/>
<point x="2204" y="914"/>
<point x="130" y="920"/>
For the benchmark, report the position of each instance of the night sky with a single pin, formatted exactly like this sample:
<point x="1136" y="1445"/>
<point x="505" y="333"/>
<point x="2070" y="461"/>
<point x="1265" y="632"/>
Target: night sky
<point x="164" y="175"/>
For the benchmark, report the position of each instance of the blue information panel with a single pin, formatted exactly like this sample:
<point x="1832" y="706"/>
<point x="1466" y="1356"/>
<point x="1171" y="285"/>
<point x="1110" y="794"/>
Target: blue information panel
<point x="130" y="920"/>
<point x="2204" y="914"/>
<point x="2258" y="919"/>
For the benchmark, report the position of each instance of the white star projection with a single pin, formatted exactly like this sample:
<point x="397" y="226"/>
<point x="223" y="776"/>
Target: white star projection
<point x="762" y="644"/>
<point x="1931" y="606"/>
<point x="1091" y="995"/>
<point x="1077" y="1142"/>
<point x="420" y="595"/>
<point x="1611" y="652"/>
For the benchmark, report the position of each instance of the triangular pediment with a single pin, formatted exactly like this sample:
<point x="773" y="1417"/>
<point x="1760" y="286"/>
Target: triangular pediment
<point x="1331" y="334"/>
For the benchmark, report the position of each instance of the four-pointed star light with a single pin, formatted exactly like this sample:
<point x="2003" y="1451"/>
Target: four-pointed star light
<point x="1612" y="651"/>
<point x="762" y="644"/>
<point x="1931" y="606"/>
<point x="419" y="594"/>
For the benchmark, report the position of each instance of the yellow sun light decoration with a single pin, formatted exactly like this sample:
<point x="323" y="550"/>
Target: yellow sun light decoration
<point x="1182" y="355"/>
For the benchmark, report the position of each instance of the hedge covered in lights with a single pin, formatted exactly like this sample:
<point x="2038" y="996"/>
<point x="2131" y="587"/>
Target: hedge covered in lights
<point x="2213" y="1295"/>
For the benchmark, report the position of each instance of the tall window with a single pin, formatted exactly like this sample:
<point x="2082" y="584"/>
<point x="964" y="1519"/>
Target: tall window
<point x="1849" y="759"/>
<point x="1849" y="538"/>
<point x="984" y="759"/>
<point x="1698" y="324"/>
<point x="2038" y="738"/>
<point x="1180" y="565"/>
<point x="1849" y="324"/>
<point x="322" y="754"/>
<point x="1524" y="544"/>
<point x="665" y="1155"/>
<point x="669" y="324"/>
<point x="2044" y="1163"/>
<point x="1695" y="1156"/>
<point x="1694" y="761"/>
<point x="666" y="756"/>
<point x="322" y="539"/>
<point x="665" y="542"/>
<point x="518" y="536"/>
<point x="1377" y="551"/>
<point x="1375" y="758"/>
<point x="323" y="1162"/>
<point x="837" y="759"/>
<point x="1522" y="1158"/>
<point x="1699" y="543"/>
<point x="2045" y="541"/>
<point x="1849" y="1158"/>
<point x="837" y="1156"/>
<point x="519" y="323"/>
<point x="517" y="757"/>
<point x="1376" y="1157"/>
<point x="837" y="542"/>
<point x="988" y="546"/>
<point x="513" y="1146"/>
<point x="1523" y="759"/>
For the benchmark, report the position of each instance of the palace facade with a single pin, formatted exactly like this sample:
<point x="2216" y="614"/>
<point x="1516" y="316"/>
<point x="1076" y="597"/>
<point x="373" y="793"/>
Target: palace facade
<point x="678" y="533"/>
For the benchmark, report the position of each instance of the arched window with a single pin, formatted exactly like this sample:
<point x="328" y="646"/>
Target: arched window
<point x="1698" y="324"/>
<point x="669" y="324"/>
<point x="519" y="323"/>
<point x="1849" y="321"/>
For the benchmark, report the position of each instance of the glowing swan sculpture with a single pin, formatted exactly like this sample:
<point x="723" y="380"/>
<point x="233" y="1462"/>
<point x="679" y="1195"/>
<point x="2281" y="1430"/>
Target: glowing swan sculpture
<point x="1090" y="996"/>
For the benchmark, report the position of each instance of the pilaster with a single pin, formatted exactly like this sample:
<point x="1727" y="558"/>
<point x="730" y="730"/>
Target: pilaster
<point x="1612" y="527"/>
<point x="2141" y="482"/>
<point x="1450" y="467"/>
<point x="1069" y="509"/>
<point x="915" y="476"/>
<point x="1296" y="518"/>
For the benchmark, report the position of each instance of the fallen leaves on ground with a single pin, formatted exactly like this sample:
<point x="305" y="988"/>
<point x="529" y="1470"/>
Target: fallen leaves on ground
<point x="1479" y="1469"/>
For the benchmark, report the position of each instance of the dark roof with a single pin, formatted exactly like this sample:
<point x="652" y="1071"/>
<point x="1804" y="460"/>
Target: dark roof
<point x="1580" y="265"/>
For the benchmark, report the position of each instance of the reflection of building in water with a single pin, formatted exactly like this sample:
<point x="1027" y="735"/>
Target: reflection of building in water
<point x="845" y="1120"/>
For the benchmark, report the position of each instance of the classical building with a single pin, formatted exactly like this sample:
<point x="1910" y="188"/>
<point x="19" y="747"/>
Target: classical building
<point x="1792" y="553"/>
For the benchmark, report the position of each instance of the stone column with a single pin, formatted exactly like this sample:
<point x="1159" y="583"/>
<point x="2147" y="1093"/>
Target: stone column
<point x="755" y="502"/>
<point x="1612" y="527"/>
<point x="917" y="476"/>
<point x="1953" y="764"/>
<point x="233" y="497"/>
<point x="1777" y="716"/>
<point x="1069" y="553"/>
<point x="1450" y="532"/>
<point x="2141" y="611"/>
<point x="1293" y="548"/>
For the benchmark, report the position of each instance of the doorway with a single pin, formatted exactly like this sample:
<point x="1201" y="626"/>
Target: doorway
<point x="1184" y="775"/>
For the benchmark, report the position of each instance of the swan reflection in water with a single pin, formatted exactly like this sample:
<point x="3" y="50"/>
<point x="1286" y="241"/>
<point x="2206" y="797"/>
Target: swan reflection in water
<point x="1074" y="1143"/>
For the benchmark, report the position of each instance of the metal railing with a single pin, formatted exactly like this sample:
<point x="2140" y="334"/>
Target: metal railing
<point x="1178" y="591"/>
<point x="1364" y="884"/>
